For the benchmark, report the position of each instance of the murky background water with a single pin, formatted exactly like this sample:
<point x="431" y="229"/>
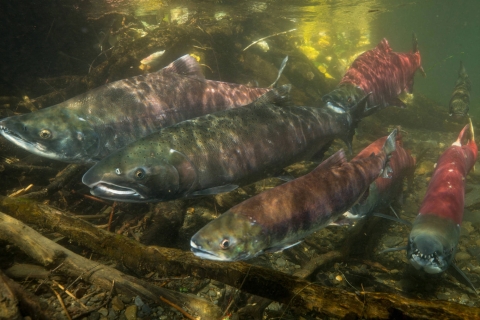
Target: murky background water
<point x="52" y="52"/>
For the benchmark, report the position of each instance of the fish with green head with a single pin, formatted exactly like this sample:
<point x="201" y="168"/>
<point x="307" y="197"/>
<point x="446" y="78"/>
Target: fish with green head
<point x="282" y="217"/>
<point x="90" y="126"/>
<point x="221" y="151"/>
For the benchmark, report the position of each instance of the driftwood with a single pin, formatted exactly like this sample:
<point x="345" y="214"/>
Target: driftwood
<point x="8" y="302"/>
<point x="62" y="178"/>
<point x="301" y="295"/>
<point x="50" y="253"/>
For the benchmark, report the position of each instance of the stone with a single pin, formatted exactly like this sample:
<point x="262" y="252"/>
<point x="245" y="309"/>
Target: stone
<point x="117" y="304"/>
<point x="138" y="301"/>
<point x="281" y="262"/>
<point x="103" y="311"/>
<point x="462" y="255"/>
<point x="392" y="241"/>
<point x="146" y="309"/>
<point x="94" y="316"/>
<point x="131" y="312"/>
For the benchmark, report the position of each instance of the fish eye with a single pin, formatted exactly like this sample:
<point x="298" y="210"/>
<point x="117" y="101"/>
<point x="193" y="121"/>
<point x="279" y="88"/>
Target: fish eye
<point x="140" y="174"/>
<point x="225" y="244"/>
<point x="45" y="134"/>
<point x="118" y="171"/>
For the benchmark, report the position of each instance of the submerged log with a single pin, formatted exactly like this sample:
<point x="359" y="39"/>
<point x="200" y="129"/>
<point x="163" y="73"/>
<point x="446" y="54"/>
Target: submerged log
<point x="301" y="295"/>
<point x="50" y="253"/>
<point x="8" y="302"/>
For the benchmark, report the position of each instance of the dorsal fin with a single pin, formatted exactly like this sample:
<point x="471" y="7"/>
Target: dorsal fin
<point x="278" y="96"/>
<point x="335" y="160"/>
<point x="186" y="66"/>
<point x="384" y="46"/>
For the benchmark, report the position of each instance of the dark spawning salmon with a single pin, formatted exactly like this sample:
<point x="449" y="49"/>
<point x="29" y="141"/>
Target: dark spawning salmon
<point x="90" y="126"/>
<point x="220" y="151"/>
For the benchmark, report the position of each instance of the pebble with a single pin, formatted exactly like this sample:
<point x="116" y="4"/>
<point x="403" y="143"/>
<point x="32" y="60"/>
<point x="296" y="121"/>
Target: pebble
<point x="103" y="311"/>
<point x="94" y="316"/>
<point x="117" y="304"/>
<point x="462" y="255"/>
<point x="112" y="315"/>
<point x="131" y="312"/>
<point x="443" y="296"/>
<point x="281" y="262"/>
<point x="212" y="293"/>
<point x="138" y="301"/>
<point x="146" y="309"/>
<point x="392" y="241"/>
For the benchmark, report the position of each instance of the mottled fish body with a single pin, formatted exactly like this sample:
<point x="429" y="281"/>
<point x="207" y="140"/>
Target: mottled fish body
<point x="281" y="217"/>
<point x="460" y="100"/>
<point x="90" y="126"/>
<point x="383" y="191"/>
<point x="218" y="152"/>
<point x="436" y="230"/>
<point x="384" y="73"/>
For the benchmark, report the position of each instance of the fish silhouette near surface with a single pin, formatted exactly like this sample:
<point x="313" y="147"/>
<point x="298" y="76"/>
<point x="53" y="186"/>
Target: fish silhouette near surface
<point x="282" y="217"/>
<point x="383" y="191"/>
<point x="90" y="126"/>
<point x="384" y="73"/>
<point x="460" y="100"/>
<point x="220" y="151"/>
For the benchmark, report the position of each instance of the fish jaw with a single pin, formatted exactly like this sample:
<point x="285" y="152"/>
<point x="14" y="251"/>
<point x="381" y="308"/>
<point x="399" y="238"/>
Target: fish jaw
<point x="432" y="243"/>
<point x="54" y="135"/>
<point x="33" y="147"/>
<point x="137" y="174"/>
<point x="116" y="193"/>
<point x="230" y="237"/>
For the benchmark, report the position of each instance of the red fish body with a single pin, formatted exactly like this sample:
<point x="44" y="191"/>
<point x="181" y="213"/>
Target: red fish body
<point x="383" y="190"/>
<point x="384" y="73"/>
<point x="436" y="230"/>
<point x="445" y="196"/>
<point x="283" y="216"/>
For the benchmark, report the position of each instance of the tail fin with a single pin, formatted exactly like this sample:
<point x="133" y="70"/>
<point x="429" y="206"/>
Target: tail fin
<point x="467" y="134"/>
<point x="282" y="66"/>
<point x="279" y="96"/>
<point x="415" y="43"/>
<point x="415" y="50"/>
<point x="389" y="146"/>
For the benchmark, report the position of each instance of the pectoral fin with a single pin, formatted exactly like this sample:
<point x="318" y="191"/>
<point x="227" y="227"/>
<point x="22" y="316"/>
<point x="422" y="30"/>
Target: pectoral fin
<point x="215" y="190"/>
<point x="281" y="247"/>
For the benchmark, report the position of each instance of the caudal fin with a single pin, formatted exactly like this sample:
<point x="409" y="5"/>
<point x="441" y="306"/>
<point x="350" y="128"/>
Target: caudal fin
<point x="280" y="71"/>
<point x="389" y="146"/>
<point x="415" y="50"/>
<point x="279" y="96"/>
<point x="467" y="134"/>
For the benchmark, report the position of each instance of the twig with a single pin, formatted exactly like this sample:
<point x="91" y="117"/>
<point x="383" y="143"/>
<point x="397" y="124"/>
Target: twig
<point x="61" y="303"/>
<point x="21" y="191"/>
<point x="272" y="35"/>
<point x="69" y="293"/>
<point x="231" y="302"/>
<point x="111" y="216"/>
<point x="177" y="307"/>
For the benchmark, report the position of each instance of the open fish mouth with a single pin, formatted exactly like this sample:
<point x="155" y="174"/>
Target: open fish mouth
<point x="108" y="190"/>
<point x="430" y="263"/>
<point x="33" y="147"/>
<point x="199" y="252"/>
<point x="17" y="140"/>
